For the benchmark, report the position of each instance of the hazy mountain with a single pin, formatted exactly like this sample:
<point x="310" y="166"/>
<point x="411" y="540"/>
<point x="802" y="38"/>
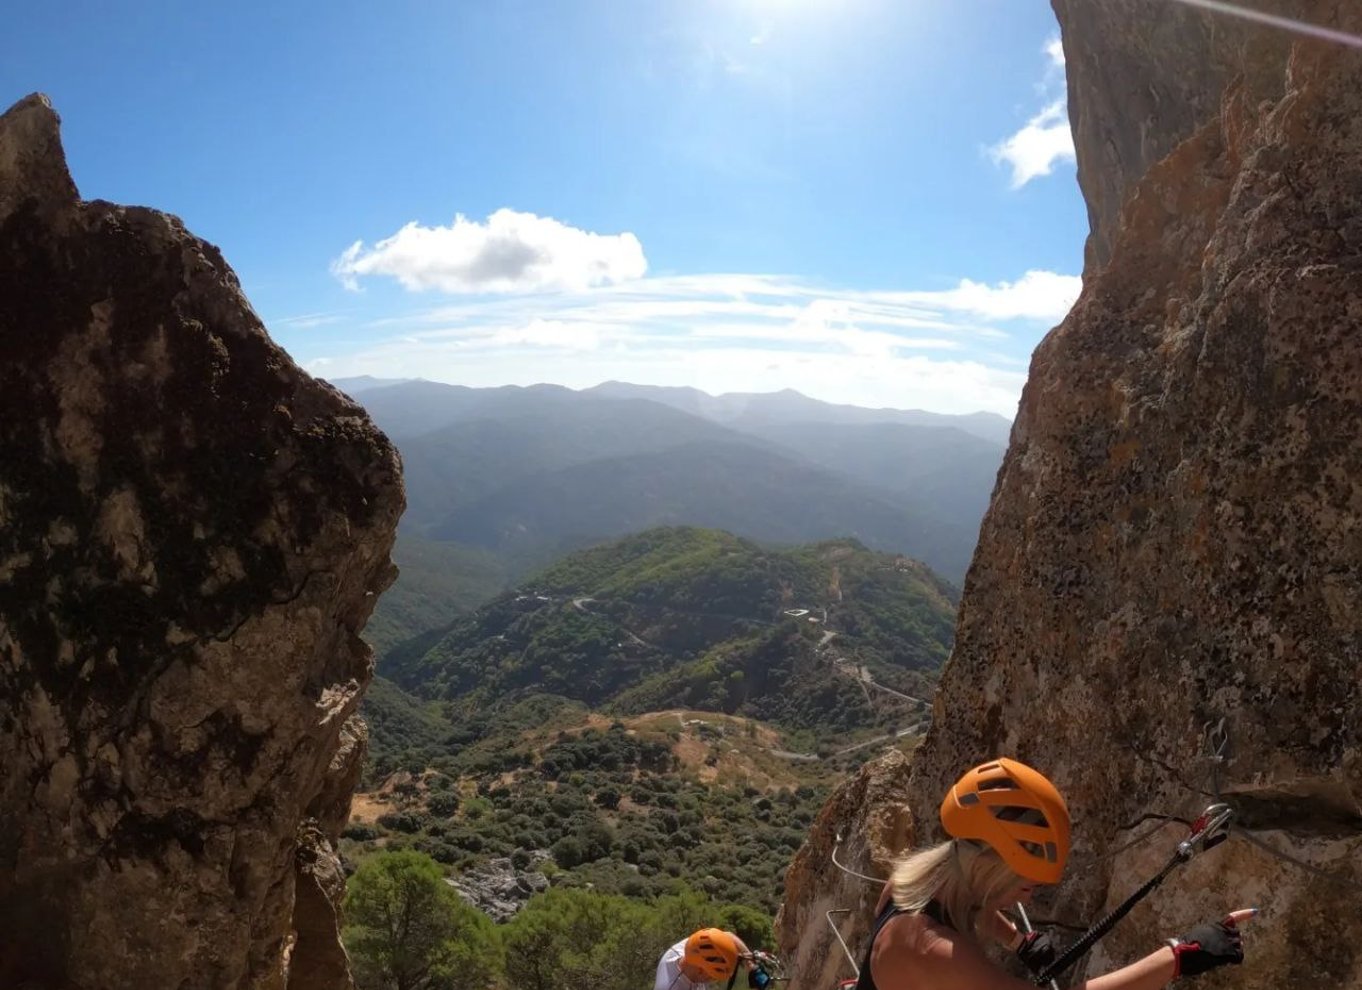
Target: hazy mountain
<point x="363" y="383"/>
<point x="753" y="411"/>
<point x="942" y="471"/>
<point x="736" y="486"/>
<point x="451" y="467"/>
<point x="413" y="408"/>
<point x="501" y="480"/>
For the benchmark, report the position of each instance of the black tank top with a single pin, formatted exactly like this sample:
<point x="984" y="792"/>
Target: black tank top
<point x="932" y="910"/>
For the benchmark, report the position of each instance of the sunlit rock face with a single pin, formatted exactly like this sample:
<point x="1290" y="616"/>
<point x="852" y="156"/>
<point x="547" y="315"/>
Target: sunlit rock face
<point x="192" y="535"/>
<point x="1175" y="543"/>
<point x="1176" y="537"/>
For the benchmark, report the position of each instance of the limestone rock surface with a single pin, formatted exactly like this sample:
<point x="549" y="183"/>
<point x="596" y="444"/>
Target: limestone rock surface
<point x="193" y="533"/>
<point x="1171" y="568"/>
<point x="498" y="889"/>
<point x="1166" y="600"/>
<point x="870" y="814"/>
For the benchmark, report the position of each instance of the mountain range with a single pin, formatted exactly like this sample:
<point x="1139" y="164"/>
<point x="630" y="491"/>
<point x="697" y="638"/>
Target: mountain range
<point x="501" y="481"/>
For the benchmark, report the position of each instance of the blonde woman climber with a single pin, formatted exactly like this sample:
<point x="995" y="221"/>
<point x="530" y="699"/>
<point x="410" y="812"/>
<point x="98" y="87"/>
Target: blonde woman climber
<point x="1009" y="831"/>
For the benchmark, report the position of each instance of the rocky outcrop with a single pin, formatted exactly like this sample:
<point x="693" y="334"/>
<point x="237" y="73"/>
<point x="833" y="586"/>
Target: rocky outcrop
<point x="317" y="958"/>
<point x="1175" y="543"/>
<point x="192" y="535"/>
<point x="869" y="815"/>
<point x="1138" y="94"/>
<point x="498" y="889"/>
<point x="1166" y="601"/>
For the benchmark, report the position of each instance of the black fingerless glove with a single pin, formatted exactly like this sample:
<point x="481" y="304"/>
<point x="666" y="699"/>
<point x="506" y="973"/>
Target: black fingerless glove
<point x="1036" y="951"/>
<point x="758" y="979"/>
<point x="1207" y="947"/>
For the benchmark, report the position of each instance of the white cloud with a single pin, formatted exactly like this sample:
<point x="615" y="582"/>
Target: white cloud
<point x="945" y="349"/>
<point x="1054" y="50"/>
<point x="547" y="333"/>
<point x="1046" y="139"/>
<point x="510" y="252"/>
<point x="1037" y="295"/>
<point x="1035" y="149"/>
<point x="307" y="321"/>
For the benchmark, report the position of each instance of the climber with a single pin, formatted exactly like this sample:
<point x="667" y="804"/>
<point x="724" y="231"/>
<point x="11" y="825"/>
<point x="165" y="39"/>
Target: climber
<point x="708" y="956"/>
<point x="1009" y="831"/>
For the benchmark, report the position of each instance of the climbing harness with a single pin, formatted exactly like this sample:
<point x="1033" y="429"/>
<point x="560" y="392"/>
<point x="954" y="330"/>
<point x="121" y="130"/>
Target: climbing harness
<point x="1209" y="830"/>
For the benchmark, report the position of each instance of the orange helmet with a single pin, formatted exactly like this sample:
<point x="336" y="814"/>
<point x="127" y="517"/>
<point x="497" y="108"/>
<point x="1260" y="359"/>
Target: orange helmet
<point x="712" y="953"/>
<point x="1014" y="809"/>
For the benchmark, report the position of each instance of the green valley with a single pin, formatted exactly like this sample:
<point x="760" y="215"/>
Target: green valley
<point x="659" y="714"/>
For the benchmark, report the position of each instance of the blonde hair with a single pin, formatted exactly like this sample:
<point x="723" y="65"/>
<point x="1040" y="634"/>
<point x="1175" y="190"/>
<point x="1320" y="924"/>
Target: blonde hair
<point x="959" y="875"/>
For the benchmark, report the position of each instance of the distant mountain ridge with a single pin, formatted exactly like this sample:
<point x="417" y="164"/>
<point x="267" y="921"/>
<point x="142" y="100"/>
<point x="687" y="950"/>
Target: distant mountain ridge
<point x="363" y="383"/>
<point x="749" y="410"/>
<point x="502" y="480"/>
<point x="427" y="405"/>
<point x="734" y="486"/>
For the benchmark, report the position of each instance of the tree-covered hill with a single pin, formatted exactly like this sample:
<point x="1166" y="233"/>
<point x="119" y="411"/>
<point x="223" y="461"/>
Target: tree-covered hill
<point x="686" y="617"/>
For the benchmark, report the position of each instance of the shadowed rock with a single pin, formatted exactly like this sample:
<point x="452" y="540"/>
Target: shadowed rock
<point x="192" y="535"/>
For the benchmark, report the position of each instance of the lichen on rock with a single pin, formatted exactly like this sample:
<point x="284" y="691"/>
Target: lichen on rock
<point x="193" y="533"/>
<point x="1171" y="567"/>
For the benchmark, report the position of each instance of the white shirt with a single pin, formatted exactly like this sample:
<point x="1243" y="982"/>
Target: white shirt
<point x="669" y="975"/>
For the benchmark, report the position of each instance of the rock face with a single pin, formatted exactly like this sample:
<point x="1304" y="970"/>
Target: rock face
<point x="498" y="889"/>
<point x="1175" y="543"/>
<point x="1135" y="95"/>
<point x="317" y="959"/>
<point x="1171" y="568"/>
<point x="192" y="535"/>
<point x="870" y="813"/>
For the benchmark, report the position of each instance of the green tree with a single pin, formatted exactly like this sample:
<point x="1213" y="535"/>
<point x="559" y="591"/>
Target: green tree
<point x="408" y="930"/>
<point x="752" y="926"/>
<point x="567" y="939"/>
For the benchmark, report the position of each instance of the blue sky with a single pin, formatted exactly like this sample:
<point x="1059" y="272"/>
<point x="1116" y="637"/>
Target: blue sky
<point x="872" y="201"/>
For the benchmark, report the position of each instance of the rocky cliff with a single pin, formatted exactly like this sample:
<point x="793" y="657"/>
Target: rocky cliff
<point x="1171" y="568"/>
<point x="869" y="815"/>
<point x="192" y="535"/>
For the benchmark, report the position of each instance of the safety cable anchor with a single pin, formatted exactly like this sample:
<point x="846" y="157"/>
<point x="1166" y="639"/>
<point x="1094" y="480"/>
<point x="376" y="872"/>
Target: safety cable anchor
<point x="1210" y="829"/>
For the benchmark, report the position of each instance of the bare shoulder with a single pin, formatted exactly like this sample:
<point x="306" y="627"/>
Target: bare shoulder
<point x="913" y="952"/>
<point x="898" y="957"/>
